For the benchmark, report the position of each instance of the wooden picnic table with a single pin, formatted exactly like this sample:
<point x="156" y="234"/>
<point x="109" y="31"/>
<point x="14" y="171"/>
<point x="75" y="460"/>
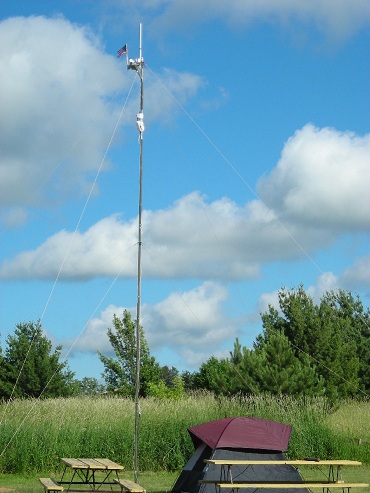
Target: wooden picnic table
<point x="83" y="472"/>
<point x="323" y="485"/>
<point x="90" y="475"/>
<point x="334" y="479"/>
<point x="334" y="474"/>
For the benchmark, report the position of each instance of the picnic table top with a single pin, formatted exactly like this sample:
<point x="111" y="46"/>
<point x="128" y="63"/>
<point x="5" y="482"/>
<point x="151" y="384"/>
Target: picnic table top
<point x="296" y="484"/>
<point x="98" y="464"/>
<point x="309" y="462"/>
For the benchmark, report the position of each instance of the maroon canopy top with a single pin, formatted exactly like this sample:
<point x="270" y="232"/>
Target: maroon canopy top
<point x="242" y="433"/>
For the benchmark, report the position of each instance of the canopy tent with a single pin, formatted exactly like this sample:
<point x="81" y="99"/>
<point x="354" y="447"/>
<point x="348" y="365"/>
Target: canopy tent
<point x="245" y="433"/>
<point x="239" y="438"/>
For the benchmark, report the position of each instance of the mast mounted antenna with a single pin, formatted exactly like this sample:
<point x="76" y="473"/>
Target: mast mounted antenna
<point x="137" y="64"/>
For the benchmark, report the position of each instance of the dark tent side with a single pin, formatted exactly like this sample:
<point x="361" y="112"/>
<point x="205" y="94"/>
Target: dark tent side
<point x="238" y="438"/>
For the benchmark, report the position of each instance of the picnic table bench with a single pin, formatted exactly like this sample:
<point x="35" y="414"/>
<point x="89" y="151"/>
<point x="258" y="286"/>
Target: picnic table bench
<point x="130" y="486"/>
<point x="51" y="485"/>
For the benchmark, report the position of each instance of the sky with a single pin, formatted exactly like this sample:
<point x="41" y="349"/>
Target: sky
<point x="256" y="167"/>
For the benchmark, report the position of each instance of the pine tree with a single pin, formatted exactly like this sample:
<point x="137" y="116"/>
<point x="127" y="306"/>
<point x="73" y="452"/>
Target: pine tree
<point x="30" y="368"/>
<point x="271" y="366"/>
<point x="350" y="308"/>
<point x="281" y="372"/>
<point x="319" y="332"/>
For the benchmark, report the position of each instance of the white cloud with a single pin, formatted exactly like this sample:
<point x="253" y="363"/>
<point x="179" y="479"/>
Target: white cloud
<point x="105" y="249"/>
<point x="358" y="274"/>
<point x="318" y="190"/>
<point x="61" y="97"/>
<point x="192" y="239"/>
<point x="55" y="118"/>
<point x="13" y="217"/>
<point x="190" y="324"/>
<point x="267" y="299"/>
<point x="167" y="90"/>
<point x="337" y="19"/>
<point x="193" y="317"/>
<point x="321" y="180"/>
<point x="94" y="336"/>
<point x="194" y="357"/>
<point x="327" y="281"/>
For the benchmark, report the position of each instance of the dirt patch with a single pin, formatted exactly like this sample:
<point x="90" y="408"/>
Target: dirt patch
<point x="3" y="490"/>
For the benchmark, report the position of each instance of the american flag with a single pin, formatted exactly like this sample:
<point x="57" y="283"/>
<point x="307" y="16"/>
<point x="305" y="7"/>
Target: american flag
<point x="122" y="51"/>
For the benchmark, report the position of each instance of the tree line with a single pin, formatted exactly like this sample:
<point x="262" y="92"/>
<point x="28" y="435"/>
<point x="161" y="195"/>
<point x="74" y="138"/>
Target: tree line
<point x="305" y="348"/>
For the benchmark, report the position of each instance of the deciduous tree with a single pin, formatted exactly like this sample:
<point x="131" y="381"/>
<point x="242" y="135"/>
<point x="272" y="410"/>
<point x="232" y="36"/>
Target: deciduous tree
<point x="120" y="372"/>
<point x="89" y="386"/>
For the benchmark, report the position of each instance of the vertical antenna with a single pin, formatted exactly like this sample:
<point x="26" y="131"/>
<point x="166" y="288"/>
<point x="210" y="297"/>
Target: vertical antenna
<point x="138" y="65"/>
<point x="140" y="41"/>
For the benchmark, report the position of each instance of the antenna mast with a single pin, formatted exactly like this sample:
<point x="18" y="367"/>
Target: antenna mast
<point x="137" y="64"/>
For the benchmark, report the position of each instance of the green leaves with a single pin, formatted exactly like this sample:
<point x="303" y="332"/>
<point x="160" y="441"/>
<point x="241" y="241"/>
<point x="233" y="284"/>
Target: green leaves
<point x="120" y="372"/>
<point x="31" y="368"/>
<point x="305" y="348"/>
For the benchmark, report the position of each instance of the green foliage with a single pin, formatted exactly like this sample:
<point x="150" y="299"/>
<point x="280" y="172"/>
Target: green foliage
<point x="120" y="372"/>
<point x="333" y="333"/>
<point x="212" y="375"/>
<point x="36" y="433"/>
<point x="304" y="349"/>
<point x="88" y="386"/>
<point x="162" y="391"/>
<point x="272" y="367"/>
<point x="281" y="372"/>
<point x="30" y="368"/>
<point x="350" y="308"/>
<point x="169" y="375"/>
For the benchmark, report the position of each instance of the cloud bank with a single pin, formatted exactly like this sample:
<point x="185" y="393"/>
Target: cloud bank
<point x="321" y="180"/>
<point x="335" y="19"/>
<point x="315" y="194"/>
<point x="57" y="81"/>
<point x="61" y="98"/>
<point x="190" y="323"/>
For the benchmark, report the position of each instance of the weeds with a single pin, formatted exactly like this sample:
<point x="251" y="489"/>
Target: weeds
<point x="35" y="434"/>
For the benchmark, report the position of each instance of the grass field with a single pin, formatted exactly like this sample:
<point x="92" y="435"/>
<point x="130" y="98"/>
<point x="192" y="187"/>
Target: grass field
<point x="35" y="434"/>
<point x="161" y="482"/>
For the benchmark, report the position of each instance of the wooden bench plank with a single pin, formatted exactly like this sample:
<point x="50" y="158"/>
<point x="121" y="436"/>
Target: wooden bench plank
<point x="130" y="486"/>
<point x="50" y="484"/>
<point x="292" y="484"/>
<point x="74" y="463"/>
<point x="109" y="464"/>
<point x="301" y="481"/>
<point x="301" y="462"/>
<point x="92" y="463"/>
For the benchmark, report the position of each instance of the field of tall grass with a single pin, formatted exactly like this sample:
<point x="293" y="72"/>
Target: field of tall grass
<point x="34" y="434"/>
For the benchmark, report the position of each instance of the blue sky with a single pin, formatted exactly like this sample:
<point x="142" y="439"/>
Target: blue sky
<point x="256" y="167"/>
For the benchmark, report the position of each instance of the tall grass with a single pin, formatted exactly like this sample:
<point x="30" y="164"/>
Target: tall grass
<point x="352" y="418"/>
<point x="34" y="435"/>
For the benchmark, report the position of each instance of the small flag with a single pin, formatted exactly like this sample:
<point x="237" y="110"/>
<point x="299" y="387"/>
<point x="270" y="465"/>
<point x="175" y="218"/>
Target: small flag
<point x="122" y="51"/>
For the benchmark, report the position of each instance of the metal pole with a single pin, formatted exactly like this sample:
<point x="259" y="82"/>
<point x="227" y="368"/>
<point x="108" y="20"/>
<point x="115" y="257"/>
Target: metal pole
<point x="138" y="65"/>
